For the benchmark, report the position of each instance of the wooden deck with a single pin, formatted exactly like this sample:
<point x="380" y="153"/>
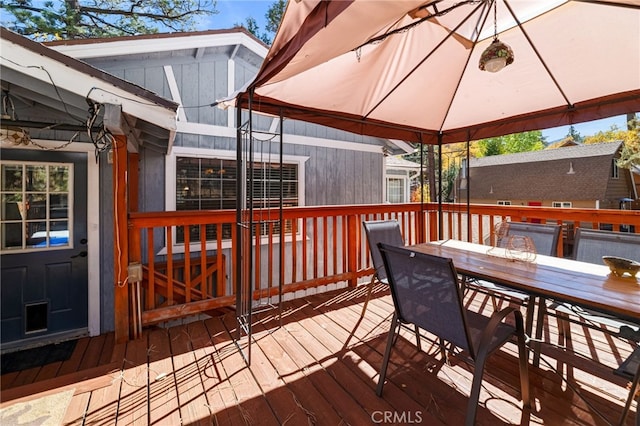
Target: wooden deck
<point x="302" y="373"/>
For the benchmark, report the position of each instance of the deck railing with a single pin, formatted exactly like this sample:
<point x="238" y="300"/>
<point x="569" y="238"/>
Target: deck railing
<point x="189" y="258"/>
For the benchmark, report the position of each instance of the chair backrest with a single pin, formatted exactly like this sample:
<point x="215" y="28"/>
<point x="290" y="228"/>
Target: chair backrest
<point x="426" y="292"/>
<point x="591" y="244"/>
<point x="544" y="236"/>
<point x="382" y="231"/>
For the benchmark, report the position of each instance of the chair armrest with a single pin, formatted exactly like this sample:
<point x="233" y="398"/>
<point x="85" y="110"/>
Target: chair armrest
<point x="492" y="325"/>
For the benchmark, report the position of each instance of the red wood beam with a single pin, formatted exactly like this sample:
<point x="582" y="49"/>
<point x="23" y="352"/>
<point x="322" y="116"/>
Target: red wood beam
<point x="121" y="239"/>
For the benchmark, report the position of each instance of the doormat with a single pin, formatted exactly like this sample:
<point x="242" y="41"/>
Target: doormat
<point x="45" y="411"/>
<point x="36" y="357"/>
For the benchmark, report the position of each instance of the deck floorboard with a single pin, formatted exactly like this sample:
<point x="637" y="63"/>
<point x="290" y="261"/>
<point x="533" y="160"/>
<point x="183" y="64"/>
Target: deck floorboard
<point x="314" y="366"/>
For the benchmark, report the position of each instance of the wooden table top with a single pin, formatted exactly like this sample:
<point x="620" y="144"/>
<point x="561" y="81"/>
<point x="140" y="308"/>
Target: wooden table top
<point x="585" y="284"/>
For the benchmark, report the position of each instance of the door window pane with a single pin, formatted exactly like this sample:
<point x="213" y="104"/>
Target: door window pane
<point x="36" y="178"/>
<point x="36" y="205"/>
<point x="11" y="176"/>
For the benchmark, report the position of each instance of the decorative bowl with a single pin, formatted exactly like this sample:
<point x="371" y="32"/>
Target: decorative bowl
<point x="619" y="265"/>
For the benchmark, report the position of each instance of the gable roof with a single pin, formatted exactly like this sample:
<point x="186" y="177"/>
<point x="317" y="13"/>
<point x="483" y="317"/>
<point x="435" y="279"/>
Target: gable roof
<point x="563" y="174"/>
<point x="191" y="44"/>
<point x="569" y="152"/>
<point x="397" y="162"/>
<point x="57" y="82"/>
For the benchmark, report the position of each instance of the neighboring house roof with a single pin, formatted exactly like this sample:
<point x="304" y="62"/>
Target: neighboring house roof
<point x="562" y="143"/>
<point x="571" y="173"/>
<point x="397" y="162"/>
<point x="52" y="80"/>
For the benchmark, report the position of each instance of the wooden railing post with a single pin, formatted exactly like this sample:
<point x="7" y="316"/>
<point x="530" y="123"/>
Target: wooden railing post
<point x="121" y="241"/>
<point x="353" y="241"/>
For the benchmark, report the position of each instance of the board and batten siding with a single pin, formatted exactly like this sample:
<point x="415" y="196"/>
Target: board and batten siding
<point x="333" y="175"/>
<point x="340" y="167"/>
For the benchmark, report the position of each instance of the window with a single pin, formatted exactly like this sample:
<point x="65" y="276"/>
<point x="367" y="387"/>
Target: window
<point x="504" y="203"/>
<point x="615" y="171"/>
<point x="564" y="204"/>
<point x="206" y="180"/>
<point x="35" y="205"/>
<point x="395" y="190"/>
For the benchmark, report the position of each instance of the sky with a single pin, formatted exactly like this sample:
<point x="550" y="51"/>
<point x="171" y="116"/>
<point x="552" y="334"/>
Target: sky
<point x="586" y="129"/>
<point x="233" y="12"/>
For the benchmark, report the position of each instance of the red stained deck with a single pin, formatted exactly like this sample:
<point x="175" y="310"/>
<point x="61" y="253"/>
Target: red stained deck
<point x="302" y="373"/>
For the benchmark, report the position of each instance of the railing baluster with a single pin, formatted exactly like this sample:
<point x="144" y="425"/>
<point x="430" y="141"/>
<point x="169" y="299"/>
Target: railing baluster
<point x="258" y="257"/>
<point x="221" y="275"/>
<point x="315" y="247"/>
<point x="270" y="259"/>
<point x="205" y="281"/>
<point x="325" y="244"/>
<point x="170" y="278"/>
<point x="151" y="262"/>
<point x="187" y="263"/>
<point x="294" y="251"/>
<point x="304" y="249"/>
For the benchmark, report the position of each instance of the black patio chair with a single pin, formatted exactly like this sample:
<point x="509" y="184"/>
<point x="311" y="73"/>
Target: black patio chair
<point x="544" y="236"/>
<point x="630" y="370"/>
<point x="545" y="239"/>
<point x="590" y="245"/>
<point x="426" y="293"/>
<point x="380" y="231"/>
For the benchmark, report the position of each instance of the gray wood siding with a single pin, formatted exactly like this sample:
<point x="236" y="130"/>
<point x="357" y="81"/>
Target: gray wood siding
<point x="332" y="176"/>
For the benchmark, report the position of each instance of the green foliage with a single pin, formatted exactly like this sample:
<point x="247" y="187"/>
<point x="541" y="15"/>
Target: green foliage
<point x="510" y="144"/>
<point x="575" y="135"/>
<point x="630" y="155"/>
<point x="273" y="16"/>
<point x="449" y="176"/>
<point x="416" y="195"/>
<point x="75" y="19"/>
<point x="252" y="26"/>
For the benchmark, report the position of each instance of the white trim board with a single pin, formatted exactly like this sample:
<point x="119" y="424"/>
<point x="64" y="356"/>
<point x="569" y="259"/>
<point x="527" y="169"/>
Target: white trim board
<point x="230" y="132"/>
<point x="136" y="45"/>
<point x="51" y="71"/>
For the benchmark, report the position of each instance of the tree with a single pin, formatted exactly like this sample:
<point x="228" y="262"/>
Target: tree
<point x="273" y="17"/>
<point x="252" y="26"/>
<point x="491" y="146"/>
<point x="75" y="19"/>
<point x="510" y="144"/>
<point x="630" y="155"/>
<point x="574" y="135"/>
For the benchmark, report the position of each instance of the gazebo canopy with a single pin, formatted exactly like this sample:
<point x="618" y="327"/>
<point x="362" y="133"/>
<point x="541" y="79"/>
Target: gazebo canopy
<point x="409" y="69"/>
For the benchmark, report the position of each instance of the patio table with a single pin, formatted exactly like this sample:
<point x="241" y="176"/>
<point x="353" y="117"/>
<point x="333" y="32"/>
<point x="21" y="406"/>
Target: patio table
<point x="546" y="277"/>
